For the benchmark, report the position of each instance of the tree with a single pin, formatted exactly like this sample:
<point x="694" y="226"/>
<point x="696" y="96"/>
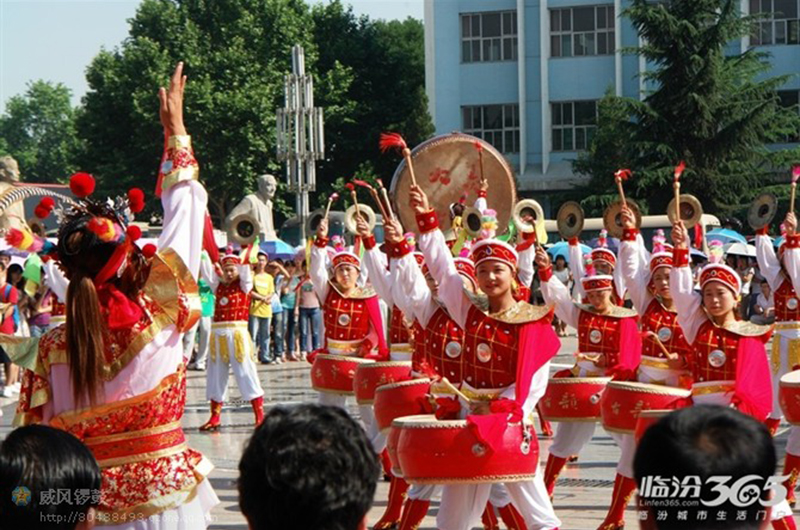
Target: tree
<point x="715" y="110"/>
<point x="237" y="53"/>
<point x="38" y="129"/>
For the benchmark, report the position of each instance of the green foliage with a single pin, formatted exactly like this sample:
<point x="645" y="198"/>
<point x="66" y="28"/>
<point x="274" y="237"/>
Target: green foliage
<point x="369" y="77"/>
<point x="38" y="129"/>
<point x="712" y="108"/>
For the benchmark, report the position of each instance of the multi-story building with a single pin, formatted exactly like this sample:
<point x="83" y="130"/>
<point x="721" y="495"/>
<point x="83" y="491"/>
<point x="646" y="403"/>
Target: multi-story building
<point x="526" y="75"/>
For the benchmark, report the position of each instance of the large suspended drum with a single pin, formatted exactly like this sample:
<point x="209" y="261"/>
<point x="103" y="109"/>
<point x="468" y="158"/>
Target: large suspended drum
<point x="446" y="167"/>
<point x="432" y="451"/>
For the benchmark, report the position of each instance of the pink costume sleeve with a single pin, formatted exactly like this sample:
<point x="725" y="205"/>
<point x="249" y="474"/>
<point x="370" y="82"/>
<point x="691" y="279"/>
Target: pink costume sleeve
<point x="753" y="394"/>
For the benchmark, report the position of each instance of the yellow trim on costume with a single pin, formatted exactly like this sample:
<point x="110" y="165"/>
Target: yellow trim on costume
<point x="344" y="347"/>
<point x="224" y="351"/>
<point x="149" y="508"/>
<point x="721" y="388"/>
<point x="482" y="395"/>
<point x="784" y="326"/>
<point x="775" y="356"/>
<point x="402" y="347"/>
<point x="655" y="362"/>
<point x="142" y="457"/>
<point x="180" y="141"/>
<point x="238" y="346"/>
<point x="130" y="435"/>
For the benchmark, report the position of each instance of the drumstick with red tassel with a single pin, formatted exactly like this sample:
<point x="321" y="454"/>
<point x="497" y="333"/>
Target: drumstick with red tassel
<point x="795" y="176"/>
<point x="395" y="141"/>
<point x="354" y="196"/>
<point x="670" y="355"/>
<point x="619" y="177"/>
<point x="479" y="148"/>
<point x="374" y="194"/>
<point x="676" y="186"/>
<point x="385" y="195"/>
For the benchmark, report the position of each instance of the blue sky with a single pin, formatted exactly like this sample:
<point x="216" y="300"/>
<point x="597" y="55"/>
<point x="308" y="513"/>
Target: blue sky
<point x="56" y="40"/>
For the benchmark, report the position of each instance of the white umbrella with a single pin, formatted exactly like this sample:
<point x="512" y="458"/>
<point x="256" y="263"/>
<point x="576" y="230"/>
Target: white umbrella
<point x="740" y="249"/>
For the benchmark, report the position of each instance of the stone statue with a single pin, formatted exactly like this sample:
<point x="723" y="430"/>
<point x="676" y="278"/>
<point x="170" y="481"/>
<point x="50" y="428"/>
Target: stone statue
<point x="259" y="206"/>
<point x="14" y="216"/>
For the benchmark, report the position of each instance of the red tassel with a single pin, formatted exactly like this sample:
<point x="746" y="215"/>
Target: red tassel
<point x="390" y="141"/>
<point x="679" y="170"/>
<point x="136" y="200"/>
<point x="14" y="237"/>
<point x="81" y="185"/>
<point x="350" y="186"/>
<point x="149" y="250"/>
<point x="623" y="174"/>
<point x="134" y="233"/>
<point x="362" y="183"/>
<point x="41" y="212"/>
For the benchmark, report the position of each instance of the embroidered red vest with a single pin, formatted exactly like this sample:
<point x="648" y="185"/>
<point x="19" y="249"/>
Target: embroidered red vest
<point x="664" y="324"/>
<point x="399" y="333"/>
<point x="345" y="318"/>
<point x="599" y="334"/>
<point x="787" y="304"/>
<point x="232" y="303"/>
<point x="490" y="351"/>
<point x="712" y="346"/>
<point x="442" y="346"/>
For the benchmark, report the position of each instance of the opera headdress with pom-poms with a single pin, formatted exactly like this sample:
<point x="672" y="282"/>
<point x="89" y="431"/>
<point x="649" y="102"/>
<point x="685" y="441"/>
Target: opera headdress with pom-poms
<point x="717" y="271"/>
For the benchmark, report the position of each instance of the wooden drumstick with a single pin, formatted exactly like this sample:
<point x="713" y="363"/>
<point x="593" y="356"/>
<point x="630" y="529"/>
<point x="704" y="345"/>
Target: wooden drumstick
<point x="395" y="141"/>
<point x="791" y="201"/>
<point x="385" y="195"/>
<point x="354" y="196"/>
<point x="332" y="198"/>
<point x="455" y="390"/>
<point x="795" y="176"/>
<point x="676" y="186"/>
<point x="670" y="355"/>
<point x="584" y="357"/>
<point x="374" y="194"/>
<point x="619" y="176"/>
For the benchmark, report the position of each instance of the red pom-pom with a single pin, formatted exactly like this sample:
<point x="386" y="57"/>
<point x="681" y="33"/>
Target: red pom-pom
<point x="48" y="203"/>
<point x="81" y="185"/>
<point x="14" y="237"/>
<point x="149" y="250"/>
<point x="136" y="200"/>
<point x="41" y="212"/>
<point x="134" y="233"/>
<point x="100" y="226"/>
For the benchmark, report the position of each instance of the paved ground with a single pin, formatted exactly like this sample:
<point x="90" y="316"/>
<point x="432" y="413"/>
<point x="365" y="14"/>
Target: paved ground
<point x="582" y="493"/>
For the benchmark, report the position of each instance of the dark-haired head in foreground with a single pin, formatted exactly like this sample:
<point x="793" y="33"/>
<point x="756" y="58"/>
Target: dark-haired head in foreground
<point x="307" y="467"/>
<point x="37" y="459"/>
<point x="704" y="441"/>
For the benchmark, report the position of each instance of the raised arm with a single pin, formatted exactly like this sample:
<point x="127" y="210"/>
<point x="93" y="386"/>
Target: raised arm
<point x="575" y="263"/>
<point x="318" y="268"/>
<point x="375" y="263"/>
<point x="555" y="292"/>
<point x="208" y="273"/>
<point x="438" y="258"/>
<point x="410" y="289"/>
<point x="55" y="280"/>
<point x="634" y="271"/>
<point x="688" y="303"/>
<point x="183" y="198"/>
<point x="768" y="262"/>
<point x="246" y="277"/>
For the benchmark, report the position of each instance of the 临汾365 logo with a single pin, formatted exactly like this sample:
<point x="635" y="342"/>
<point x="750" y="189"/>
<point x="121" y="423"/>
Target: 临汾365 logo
<point x="717" y="490"/>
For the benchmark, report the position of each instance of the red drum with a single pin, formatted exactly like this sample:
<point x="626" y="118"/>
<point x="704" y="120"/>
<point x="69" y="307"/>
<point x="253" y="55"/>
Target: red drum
<point x="646" y="419"/>
<point x="370" y="376"/>
<point x="434" y="451"/>
<point x="622" y="402"/>
<point x="400" y="399"/>
<point x="391" y="448"/>
<point x="334" y="374"/>
<point x="789" y="394"/>
<point x="573" y="398"/>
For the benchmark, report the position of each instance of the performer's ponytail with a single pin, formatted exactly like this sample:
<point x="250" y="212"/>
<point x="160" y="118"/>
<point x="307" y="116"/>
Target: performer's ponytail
<point x="84" y="337"/>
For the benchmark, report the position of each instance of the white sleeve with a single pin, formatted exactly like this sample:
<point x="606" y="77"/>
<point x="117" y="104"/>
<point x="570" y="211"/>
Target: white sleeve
<point x="208" y="273"/>
<point x="688" y="303"/>
<point x="411" y="287"/>
<point x="577" y="270"/>
<point x="185" y="205"/>
<point x="635" y="273"/>
<point x="481" y="204"/>
<point x="525" y="272"/>
<point x="440" y="263"/>
<point x="768" y="263"/>
<point x="556" y="293"/>
<point x="55" y="280"/>
<point x="246" y="278"/>
<point x="318" y="271"/>
<point x="375" y="264"/>
<point x="537" y="390"/>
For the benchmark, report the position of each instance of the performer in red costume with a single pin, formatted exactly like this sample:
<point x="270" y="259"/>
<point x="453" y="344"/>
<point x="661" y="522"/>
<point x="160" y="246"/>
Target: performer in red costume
<point x="730" y="366"/>
<point x="438" y="345"/>
<point x="609" y="344"/>
<point x="506" y="353"/>
<point x="353" y="321"/>
<point x="114" y="376"/>
<point x="604" y="262"/>
<point x="231" y="344"/>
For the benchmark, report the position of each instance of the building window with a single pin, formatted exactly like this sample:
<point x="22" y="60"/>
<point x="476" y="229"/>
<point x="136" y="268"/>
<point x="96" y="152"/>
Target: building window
<point x="790" y="99"/>
<point x="574" y="124"/>
<point x="782" y="25"/>
<point x="497" y="124"/>
<point x="488" y="37"/>
<point x="581" y="31"/>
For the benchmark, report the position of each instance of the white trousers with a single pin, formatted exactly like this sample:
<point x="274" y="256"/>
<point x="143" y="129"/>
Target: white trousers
<point x="463" y="504"/>
<point x="232" y="348"/>
<point x="333" y="400"/>
<point x="375" y="436"/>
<point x="779" y="363"/>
